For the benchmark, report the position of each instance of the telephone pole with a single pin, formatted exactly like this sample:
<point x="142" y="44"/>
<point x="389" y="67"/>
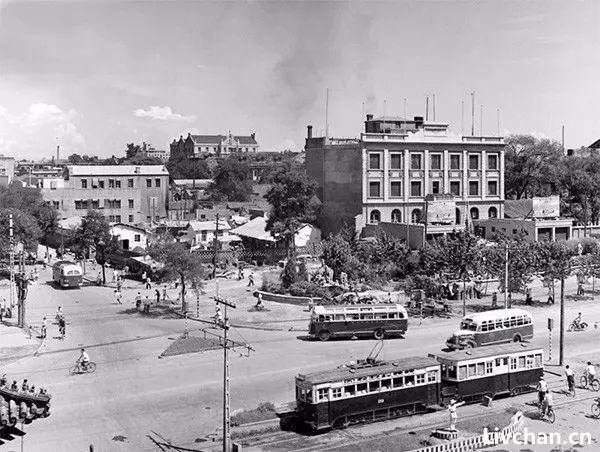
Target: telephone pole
<point x="216" y="248"/>
<point x="12" y="257"/>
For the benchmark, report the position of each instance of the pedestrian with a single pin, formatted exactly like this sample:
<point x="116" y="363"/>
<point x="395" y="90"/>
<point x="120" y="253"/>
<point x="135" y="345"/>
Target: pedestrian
<point x="165" y="295"/>
<point x="115" y="274"/>
<point x="62" y="327"/>
<point x="25" y="386"/>
<point x="240" y="274"/>
<point x="147" y="304"/>
<point x="452" y="410"/>
<point x="2" y="308"/>
<point x="570" y="379"/>
<point x="118" y="296"/>
<point x="138" y="301"/>
<point x="157" y="296"/>
<point x="44" y="327"/>
<point x="251" y="279"/>
<point x="119" y="283"/>
<point x="550" y="299"/>
<point x="148" y="285"/>
<point x="144" y="277"/>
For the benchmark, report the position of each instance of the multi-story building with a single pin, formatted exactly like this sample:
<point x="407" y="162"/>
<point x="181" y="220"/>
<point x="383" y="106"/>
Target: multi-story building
<point x="219" y="145"/>
<point x="387" y="174"/>
<point x="123" y="193"/>
<point x="150" y="151"/>
<point x="7" y="170"/>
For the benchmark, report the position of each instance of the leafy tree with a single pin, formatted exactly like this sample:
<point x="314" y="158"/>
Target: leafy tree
<point x="302" y="271"/>
<point x="289" y="275"/>
<point x="291" y="198"/>
<point x="74" y="159"/>
<point x="94" y="233"/>
<point x="132" y="150"/>
<point x="25" y="230"/>
<point x="179" y="263"/>
<point x="232" y="180"/>
<point x="140" y="159"/>
<point x="338" y="254"/>
<point x="181" y="167"/>
<point x="531" y="166"/>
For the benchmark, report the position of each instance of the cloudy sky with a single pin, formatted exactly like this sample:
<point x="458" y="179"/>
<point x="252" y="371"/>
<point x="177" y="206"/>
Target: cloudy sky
<point x="96" y="74"/>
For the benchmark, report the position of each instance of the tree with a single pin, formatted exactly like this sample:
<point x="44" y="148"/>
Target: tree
<point x="232" y="180"/>
<point x="25" y="230"/>
<point x="94" y="233"/>
<point x="289" y="275"/>
<point x="291" y="198"/>
<point x="140" y="159"/>
<point x="181" y="167"/>
<point x="338" y="254"/>
<point x="531" y="165"/>
<point x="179" y="263"/>
<point x="132" y="150"/>
<point x="74" y="159"/>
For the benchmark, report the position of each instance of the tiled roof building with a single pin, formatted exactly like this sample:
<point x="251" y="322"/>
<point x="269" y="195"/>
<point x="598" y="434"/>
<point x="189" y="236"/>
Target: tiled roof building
<point x="219" y="145"/>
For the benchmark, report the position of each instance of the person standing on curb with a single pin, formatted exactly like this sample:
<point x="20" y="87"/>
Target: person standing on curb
<point x="44" y="327"/>
<point x="2" y="308"/>
<point x="452" y="410"/>
<point x="157" y="296"/>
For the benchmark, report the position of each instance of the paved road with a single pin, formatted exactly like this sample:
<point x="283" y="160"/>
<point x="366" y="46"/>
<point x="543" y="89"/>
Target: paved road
<point x="133" y="392"/>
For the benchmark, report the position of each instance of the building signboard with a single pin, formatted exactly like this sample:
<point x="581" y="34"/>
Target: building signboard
<point x="547" y="207"/>
<point x="441" y="211"/>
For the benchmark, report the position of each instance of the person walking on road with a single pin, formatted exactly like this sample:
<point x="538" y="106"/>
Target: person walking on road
<point x="165" y="295"/>
<point x="2" y="308"/>
<point x="118" y="296"/>
<point x="157" y="292"/>
<point x="570" y="379"/>
<point x="452" y="410"/>
<point x="251" y="279"/>
<point x="138" y="301"/>
<point x="44" y="328"/>
<point x="62" y="327"/>
<point x="144" y="277"/>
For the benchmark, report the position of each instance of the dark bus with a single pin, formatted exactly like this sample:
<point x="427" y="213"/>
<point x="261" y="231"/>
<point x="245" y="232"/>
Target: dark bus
<point x="376" y="320"/>
<point x="367" y="391"/>
<point x="470" y="375"/>
<point x="492" y="327"/>
<point x="67" y="274"/>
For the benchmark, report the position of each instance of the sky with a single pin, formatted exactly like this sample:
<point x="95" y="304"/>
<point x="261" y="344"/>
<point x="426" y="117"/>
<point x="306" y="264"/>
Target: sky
<point x="94" y="75"/>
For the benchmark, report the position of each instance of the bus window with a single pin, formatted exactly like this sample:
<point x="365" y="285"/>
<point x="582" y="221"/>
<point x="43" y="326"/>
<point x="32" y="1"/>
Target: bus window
<point x="380" y="315"/>
<point x="471" y="370"/>
<point x="489" y="367"/>
<point x="507" y="323"/>
<point x="386" y="384"/>
<point x="374" y="386"/>
<point x="498" y="324"/>
<point x="361" y="388"/>
<point x="366" y="316"/>
<point x="480" y="369"/>
<point x="409" y="380"/>
<point x="392" y="315"/>
<point x="400" y="315"/>
<point x="398" y="382"/>
<point x="340" y="317"/>
<point x="468" y="325"/>
<point x="519" y="320"/>
<point x="321" y="318"/>
<point x="513" y="321"/>
<point x="462" y="372"/>
<point x="350" y="389"/>
<point x="526" y="320"/>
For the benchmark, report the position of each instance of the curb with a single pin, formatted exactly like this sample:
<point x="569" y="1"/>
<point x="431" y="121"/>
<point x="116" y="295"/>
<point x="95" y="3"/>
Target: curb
<point x="29" y="355"/>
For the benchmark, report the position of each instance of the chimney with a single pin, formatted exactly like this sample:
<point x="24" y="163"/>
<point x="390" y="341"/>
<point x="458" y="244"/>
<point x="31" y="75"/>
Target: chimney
<point x="57" y="152"/>
<point x="189" y="134"/>
<point x="253" y="136"/>
<point x="369" y="117"/>
<point x="418" y="121"/>
<point x="309" y="131"/>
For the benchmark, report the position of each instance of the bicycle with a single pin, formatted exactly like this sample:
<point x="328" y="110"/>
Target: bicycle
<point x="81" y="369"/>
<point x="590" y="381"/>
<point x="548" y="416"/>
<point x="596" y="408"/>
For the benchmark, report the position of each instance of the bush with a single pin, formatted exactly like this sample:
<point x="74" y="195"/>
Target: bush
<point x="289" y="275"/>
<point x="271" y="286"/>
<point x="306" y="289"/>
<point x="265" y="410"/>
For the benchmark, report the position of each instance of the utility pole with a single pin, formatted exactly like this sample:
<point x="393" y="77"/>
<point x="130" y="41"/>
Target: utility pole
<point x="11" y="258"/>
<point x="226" y="390"/>
<point x="506" y="276"/>
<point x="216" y="248"/>
<point x="561" y="355"/>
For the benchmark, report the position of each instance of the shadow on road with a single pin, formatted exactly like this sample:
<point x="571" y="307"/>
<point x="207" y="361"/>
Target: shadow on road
<point x="155" y="312"/>
<point x="307" y="338"/>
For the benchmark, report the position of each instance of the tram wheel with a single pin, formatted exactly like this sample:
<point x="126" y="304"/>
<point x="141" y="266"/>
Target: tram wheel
<point x="324" y="335"/>
<point x="379" y="333"/>
<point x="516" y="338"/>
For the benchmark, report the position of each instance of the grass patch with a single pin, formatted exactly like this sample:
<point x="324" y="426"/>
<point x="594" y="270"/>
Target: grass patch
<point x="264" y="411"/>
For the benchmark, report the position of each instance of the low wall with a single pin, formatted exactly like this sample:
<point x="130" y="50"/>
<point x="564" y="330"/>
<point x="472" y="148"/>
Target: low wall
<point x="288" y="299"/>
<point x="486" y="439"/>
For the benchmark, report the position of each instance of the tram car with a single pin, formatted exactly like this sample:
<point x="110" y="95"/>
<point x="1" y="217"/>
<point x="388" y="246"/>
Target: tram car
<point x="497" y="370"/>
<point x="372" y="390"/>
<point x="367" y="391"/>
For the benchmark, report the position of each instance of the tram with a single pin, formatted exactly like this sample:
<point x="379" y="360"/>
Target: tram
<point x="372" y="390"/>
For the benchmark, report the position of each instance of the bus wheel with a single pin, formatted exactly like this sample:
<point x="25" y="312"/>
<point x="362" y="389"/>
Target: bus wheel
<point x="379" y="334"/>
<point x="471" y="344"/>
<point x="324" y="335"/>
<point x="516" y="338"/>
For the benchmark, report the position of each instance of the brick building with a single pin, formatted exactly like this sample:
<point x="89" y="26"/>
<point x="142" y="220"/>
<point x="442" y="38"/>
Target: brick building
<point x="386" y="174"/>
<point x="123" y="193"/>
<point x="218" y="145"/>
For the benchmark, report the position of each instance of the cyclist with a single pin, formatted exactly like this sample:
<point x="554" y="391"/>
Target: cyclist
<point x="83" y="359"/>
<point x="578" y="320"/>
<point x="570" y="379"/>
<point x="590" y="372"/>
<point x="59" y="313"/>
<point x="547" y="404"/>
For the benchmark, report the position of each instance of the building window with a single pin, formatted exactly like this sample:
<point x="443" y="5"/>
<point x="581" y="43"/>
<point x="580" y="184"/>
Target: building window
<point x="111" y="218"/>
<point x="436" y="161"/>
<point x="415" y="161"/>
<point x="415" y="188"/>
<point x="118" y="218"/>
<point x="137" y="238"/>
<point x="396" y="161"/>
<point x="157" y="182"/>
<point x="374" y="189"/>
<point x="375" y="216"/>
<point x="473" y="188"/>
<point x="374" y="160"/>
<point x="111" y="183"/>
<point x="117" y="203"/>
<point x="474" y="213"/>
<point x="131" y="218"/>
<point x="435" y="187"/>
<point x="100" y="184"/>
<point x="455" y="161"/>
<point x="83" y="183"/>
<point x="416" y="216"/>
<point x="492" y="187"/>
<point x="148" y="183"/>
<point x="95" y="204"/>
<point x="396" y="216"/>
<point x="455" y="187"/>
<point x="457" y="212"/>
<point x="395" y="189"/>
<point x="473" y="162"/>
<point x="130" y="204"/>
<point x="117" y="184"/>
<point x="492" y="161"/>
<point x="492" y="213"/>
<point x="130" y="183"/>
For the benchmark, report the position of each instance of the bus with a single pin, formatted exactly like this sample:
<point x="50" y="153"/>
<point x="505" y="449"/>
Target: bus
<point x="376" y="320"/>
<point x="67" y="274"/>
<point x="492" y="327"/>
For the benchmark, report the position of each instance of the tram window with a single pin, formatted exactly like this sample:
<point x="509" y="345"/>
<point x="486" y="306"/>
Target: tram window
<point x="420" y="379"/>
<point x="480" y="369"/>
<point x="529" y="362"/>
<point x="489" y="367"/>
<point x="373" y="386"/>
<point x="501" y="361"/>
<point x="341" y="317"/>
<point x="431" y="376"/>
<point x="366" y="316"/>
<point x="400" y="315"/>
<point x="513" y="363"/>
<point x="336" y="393"/>
<point x="380" y="315"/>
<point x="451" y="372"/>
<point x="409" y="380"/>
<point x="471" y="370"/>
<point x="298" y="393"/>
<point x="354" y="317"/>
<point x="321" y="318"/>
<point x="308" y="395"/>
<point x="398" y="382"/>
<point x="386" y="384"/>
<point x="538" y="360"/>
<point x="361" y="388"/>
<point x="521" y="362"/>
<point x="350" y="389"/>
<point x="322" y="394"/>
<point x="392" y="315"/>
<point x="328" y="318"/>
<point x="462" y="372"/>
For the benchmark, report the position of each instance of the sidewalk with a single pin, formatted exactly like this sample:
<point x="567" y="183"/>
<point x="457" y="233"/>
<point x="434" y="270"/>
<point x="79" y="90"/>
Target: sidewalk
<point x="15" y="343"/>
